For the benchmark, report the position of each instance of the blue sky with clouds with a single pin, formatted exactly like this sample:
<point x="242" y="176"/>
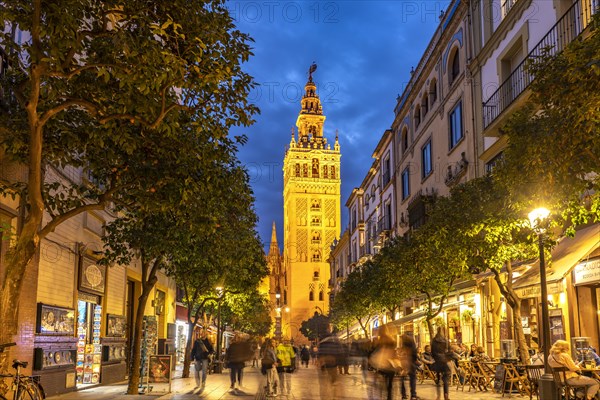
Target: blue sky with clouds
<point x="364" y="51"/>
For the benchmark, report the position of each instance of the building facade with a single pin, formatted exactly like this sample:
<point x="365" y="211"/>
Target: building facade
<point x="311" y="197"/>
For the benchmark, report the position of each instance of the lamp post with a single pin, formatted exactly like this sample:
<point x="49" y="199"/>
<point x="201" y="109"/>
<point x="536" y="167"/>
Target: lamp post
<point x="546" y="381"/>
<point x="220" y="297"/>
<point x="278" y="316"/>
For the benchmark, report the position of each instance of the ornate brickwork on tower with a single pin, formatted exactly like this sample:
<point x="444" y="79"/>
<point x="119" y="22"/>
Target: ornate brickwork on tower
<point x="311" y="201"/>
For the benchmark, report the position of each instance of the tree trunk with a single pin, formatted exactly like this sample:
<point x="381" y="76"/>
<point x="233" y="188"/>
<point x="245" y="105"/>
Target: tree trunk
<point x="136" y="348"/>
<point x="522" y="347"/>
<point x="18" y="258"/>
<point x="188" y="351"/>
<point x="430" y="329"/>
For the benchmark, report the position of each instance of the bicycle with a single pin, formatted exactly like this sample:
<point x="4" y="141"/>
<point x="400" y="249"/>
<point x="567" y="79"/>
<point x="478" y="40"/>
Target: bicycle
<point x="23" y="386"/>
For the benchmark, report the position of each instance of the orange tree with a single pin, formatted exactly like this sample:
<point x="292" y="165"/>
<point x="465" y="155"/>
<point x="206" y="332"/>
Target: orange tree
<point x="96" y="85"/>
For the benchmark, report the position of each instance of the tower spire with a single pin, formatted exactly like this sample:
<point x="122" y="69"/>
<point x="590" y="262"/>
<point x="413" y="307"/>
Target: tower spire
<point x="274" y="247"/>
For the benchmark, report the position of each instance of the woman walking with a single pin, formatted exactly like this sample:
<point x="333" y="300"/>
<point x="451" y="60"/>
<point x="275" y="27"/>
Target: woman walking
<point x="439" y="349"/>
<point x="236" y="356"/>
<point x="268" y="367"/>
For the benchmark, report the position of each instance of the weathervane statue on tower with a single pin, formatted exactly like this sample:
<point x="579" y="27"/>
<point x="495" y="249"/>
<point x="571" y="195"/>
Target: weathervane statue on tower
<point x="311" y="69"/>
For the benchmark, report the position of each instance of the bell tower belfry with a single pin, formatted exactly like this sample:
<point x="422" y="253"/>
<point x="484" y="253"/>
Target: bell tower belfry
<point x="312" y="212"/>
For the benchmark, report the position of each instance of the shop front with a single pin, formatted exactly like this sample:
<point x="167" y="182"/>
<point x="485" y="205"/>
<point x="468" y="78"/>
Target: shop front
<point x="573" y="279"/>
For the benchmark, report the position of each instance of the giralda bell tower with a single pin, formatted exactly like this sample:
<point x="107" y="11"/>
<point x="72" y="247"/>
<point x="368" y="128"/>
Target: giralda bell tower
<point x="311" y="204"/>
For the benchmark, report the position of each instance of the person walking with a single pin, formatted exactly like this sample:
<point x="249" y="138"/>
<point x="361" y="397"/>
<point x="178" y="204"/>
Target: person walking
<point x="238" y="352"/>
<point x="305" y="355"/>
<point x="329" y="351"/>
<point x="286" y="360"/>
<point x="385" y="360"/>
<point x="439" y="349"/>
<point x="201" y="352"/>
<point x="268" y="366"/>
<point x="409" y="359"/>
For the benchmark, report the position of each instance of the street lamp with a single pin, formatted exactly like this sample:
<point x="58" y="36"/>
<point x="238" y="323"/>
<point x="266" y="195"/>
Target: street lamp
<point x="278" y="316"/>
<point x="547" y="387"/>
<point x="219" y="290"/>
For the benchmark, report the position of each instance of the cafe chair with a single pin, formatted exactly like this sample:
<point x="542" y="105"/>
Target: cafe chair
<point x="513" y="380"/>
<point x="534" y="372"/>
<point x="564" y="390"/>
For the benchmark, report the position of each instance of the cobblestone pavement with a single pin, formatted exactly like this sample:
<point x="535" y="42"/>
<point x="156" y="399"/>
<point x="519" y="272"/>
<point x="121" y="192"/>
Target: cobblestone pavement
<point x="307" y="384"/>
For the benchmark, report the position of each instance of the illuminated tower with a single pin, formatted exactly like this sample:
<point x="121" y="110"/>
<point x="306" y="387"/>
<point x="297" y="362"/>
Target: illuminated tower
<point x="311" y="208"/>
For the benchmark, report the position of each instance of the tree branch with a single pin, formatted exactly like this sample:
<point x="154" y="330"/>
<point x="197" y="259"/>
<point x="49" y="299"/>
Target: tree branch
<point x="88" y="105"/>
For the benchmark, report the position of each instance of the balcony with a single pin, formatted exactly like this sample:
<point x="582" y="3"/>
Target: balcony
<point x="568" y="27"/>
<point x="384" y="225"/>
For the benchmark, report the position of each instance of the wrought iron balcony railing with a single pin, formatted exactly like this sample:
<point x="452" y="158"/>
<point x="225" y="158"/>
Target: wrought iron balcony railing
<point x="566" y="29"/>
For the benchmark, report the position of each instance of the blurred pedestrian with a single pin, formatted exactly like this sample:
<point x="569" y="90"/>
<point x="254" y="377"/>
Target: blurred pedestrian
<point x="305" y="355"/>
<point x="344" y="360"/>
<point x="201" y="352"/>
<point x="255" y="353"/>
<point x="286" y="361"/>
<point x="329" y="351"/>
<point x="439" y="349"/>
<point x="409" y="359"/>
<point x="385" y="360"/>
<point x="238" y="352"/>
<point x="269" y="366"/>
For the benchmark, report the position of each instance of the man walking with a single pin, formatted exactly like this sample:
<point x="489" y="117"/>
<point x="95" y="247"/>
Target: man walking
<point x="200" y="356"/>
<point x="409" y="365"/>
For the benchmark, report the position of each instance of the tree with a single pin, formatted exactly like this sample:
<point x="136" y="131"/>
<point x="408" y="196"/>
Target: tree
<point x="315" y="328"/>
<point x="248" y="312"/>
<point x="354" y="302"/>
<point x="90" y="85"/>
<point x="490" y="228"/>
<point x="553" y="151"/>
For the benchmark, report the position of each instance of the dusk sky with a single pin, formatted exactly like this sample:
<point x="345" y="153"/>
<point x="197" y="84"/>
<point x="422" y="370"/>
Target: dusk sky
<point x="364" y="51"/>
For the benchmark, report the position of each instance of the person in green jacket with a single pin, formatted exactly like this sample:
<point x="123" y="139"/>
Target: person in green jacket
<point x="286" y="361"/>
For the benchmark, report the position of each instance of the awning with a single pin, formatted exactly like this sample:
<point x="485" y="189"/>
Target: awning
<point x="567" y="253"/>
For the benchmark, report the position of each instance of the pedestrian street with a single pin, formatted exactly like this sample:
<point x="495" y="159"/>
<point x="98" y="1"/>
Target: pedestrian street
<point x="307" y="384"/>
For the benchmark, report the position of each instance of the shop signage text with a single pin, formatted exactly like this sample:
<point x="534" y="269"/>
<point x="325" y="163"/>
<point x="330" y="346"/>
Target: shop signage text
<point x="529" y="292"/>
<point x="587" y="272"/>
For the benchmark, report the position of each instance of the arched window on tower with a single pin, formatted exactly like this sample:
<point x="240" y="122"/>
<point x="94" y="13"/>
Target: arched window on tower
<point x="321" y="296"/>
<point x="332" y="172"/>
<point x="325" y="171"/>
<point x="315" y="168"/>
<point x="305" y="171"/>
<point x="285" y="297"/>
<point x="311" y="296"/>
<point x="297" y="169"/>
<point x="316" y="256"/>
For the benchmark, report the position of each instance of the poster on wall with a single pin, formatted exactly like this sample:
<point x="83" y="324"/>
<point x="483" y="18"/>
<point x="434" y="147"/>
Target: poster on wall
<point x="557" y="331"/>
<point x="115" y="325"/>
<point x="53" y="320"/>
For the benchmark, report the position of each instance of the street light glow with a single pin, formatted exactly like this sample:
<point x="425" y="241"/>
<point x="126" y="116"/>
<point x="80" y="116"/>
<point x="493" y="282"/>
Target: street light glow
<point x="537" y="216"/>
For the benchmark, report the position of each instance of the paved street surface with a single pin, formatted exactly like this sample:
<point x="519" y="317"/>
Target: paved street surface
<point x="307" y="384"/>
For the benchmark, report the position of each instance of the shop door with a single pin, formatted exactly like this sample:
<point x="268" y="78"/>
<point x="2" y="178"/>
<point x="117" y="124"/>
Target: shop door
<point x="89" y="350"/>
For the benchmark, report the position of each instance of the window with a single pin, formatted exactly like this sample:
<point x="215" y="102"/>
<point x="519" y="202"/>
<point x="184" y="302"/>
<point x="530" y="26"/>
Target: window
<point x="386" y="167"/>
<point x="321" y="295"/>
<point x="456" y="129"/>
<point x="404" y="140"/>
<point x="425" y="104"/>
<point x="332" y="172"/>
<point x="426" y="159"/>
<point x="354" y="218"/>
<point x="454" y="66"/>
<point x="433" y="92"/>
<point x="315" y="168"/>
<point x="311" y="296"/>
<point x="405" y="183"/>
<point x="417" y="116"/>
